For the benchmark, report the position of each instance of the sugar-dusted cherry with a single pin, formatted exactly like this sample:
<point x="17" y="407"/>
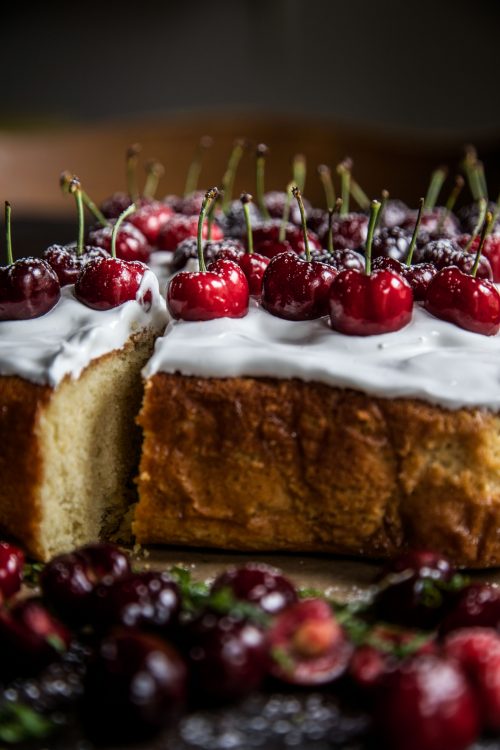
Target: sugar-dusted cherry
<point x="188" y="251"/>
<point x="307" y="645"/>
<point x="469" y="302"/>
<point x="364" y="304"/>
<point x="217" y="291"/>
<point x="252" y="264"/>
<point x="297" y="289"/>
<point x="259" y="584"/>
<point x="151" y="215"/>
<point x="109" y="282"/>
<point x="29" y="287"/>
<point x="180" y="227"/>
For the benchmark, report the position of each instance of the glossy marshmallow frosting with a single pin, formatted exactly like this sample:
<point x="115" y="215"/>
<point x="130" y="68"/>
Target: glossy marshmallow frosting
<point x="429" y="359"/>
<point x="65" y="340"/>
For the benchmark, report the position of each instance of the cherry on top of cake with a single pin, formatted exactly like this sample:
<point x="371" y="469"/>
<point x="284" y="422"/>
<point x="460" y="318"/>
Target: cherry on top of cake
<point x="29" y="287"/>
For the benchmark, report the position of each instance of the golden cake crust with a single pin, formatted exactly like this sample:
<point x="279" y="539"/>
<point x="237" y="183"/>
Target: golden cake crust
<point x="269" y="464"/>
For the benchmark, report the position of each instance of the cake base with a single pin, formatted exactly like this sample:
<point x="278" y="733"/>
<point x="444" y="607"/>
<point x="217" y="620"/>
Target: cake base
<point x="69" y="453"/>
<point x="268" y="464"/>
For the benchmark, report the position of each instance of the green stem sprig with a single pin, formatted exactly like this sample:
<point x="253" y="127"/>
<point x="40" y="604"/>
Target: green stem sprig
<point x="331" y="213"/>
<point x="374" y="212"/>
<point x="8" y="236"/>
<point x="65" y="181"/>
<point x="131" y="161"/>
<point x="325" y="175"/>
<point x="230" y="174"/>
<point x="76" y="190"/>
<point x="436" y="183"/>
<point x="114" y="234"/>
<point x="344" y="170"/>
<point x="210" y="196"/>
<point x="414" y="236"/>
<point x="299" y="171"/>
<point x="298" y="197"/>
<point x="452" y="199"/>
<point x="246" y="199"/>
<point x="359" y="195"/>
<point x="487" y="226"/>
<point x="286" y="213"/>
<point x="260" y="167"/>
<point x="482" y="208"/>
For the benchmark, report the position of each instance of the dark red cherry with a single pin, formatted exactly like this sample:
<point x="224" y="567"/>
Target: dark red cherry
<point x="348" y="232"/>
<point x="491" y="251"/>
<point x="443" y="253"/>
<point x="190" y="205"/>
<point x="307" y="644"/>
<point x="179" y="228"/>
<point x="340" y="259"/>
<point x="11" y="569"/>
<point x="131" y="244"/>
<point x="68" y="264"/>
<point x="368" y="667"/>
<point x="269" y="231"/>
<point x="392" y="242"/>
<point x="109" y="282"/>
<point x="427" y="703"/>
<point x="227" y="657"/>
<point x="275" y="202"/>
<point x="115" y="205"/>
<point x="29" y="287"/>
<point x="418" y="276"/>
<point x="150" y="220"/>
<point x="469" y="302"/>
<point x="296" y="289"/>
<point x="135" y="686"/>
<point x="270" y="248"/>
<point x="146" y="600"/>
<point x="30" y="637"/>
<point x="252" y="264"/>
<point x="259" y="584"/>
<point x="221" y="291"/>
<point x="393" y="214"/>
<point x="69" y="582"/>
<point x="437" y="221"/>
<point x="475" y="606"/>
<point x="188" y="250"/>
<point x="232" y="221"/>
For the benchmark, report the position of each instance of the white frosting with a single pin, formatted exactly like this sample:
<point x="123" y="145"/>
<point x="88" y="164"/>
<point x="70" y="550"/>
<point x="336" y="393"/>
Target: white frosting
<point x="429" y="359"/>
<point x="66" y="339"/>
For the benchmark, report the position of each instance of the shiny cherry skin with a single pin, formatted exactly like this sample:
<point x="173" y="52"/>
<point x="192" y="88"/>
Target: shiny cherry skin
<point x="340" y="259"/>
<point x="11" y="569"/>
<point x="31" y="637"/>
<point x="307" y="645"/>
<point x="232" y="222"/>
<point x="131" y="244"/>
<point x="469" y="302"/>
<point x="367" y="305"/>
<point x="179" y="228"/>
<point x="259" y="584"/>
<point x="427" y="703"/>
<point x="227" y="657"/>
<point x="443" y="253"/>
<point x="135" y="686"/>
<point x="270" y="231"/>
<point x="150" y="219"/>
<point x="296" y="289"/>
<point x="418" y="276"/>
<point x="109" y="282"/>
<point x="432" y="223"/>
<point x="270" y="248"/>
<point x="115" y="205"/>
<point x="29" y="287"/>
<point x="188" y="250"/>
<point x="348" y="232"/>
<point x="220" y="292"/>
<point x="275" y="200"/>
<point x="491" y="251"/>
<point x="70" y="582"/>
<point x="254" y="266"/>
<point x="66" y="262"/>
<point x="146" y="600"/>
<point x="475" y="606"/>
<point x="392" y="242"/>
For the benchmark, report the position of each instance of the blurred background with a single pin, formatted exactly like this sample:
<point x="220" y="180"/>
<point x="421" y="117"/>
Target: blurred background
<point x="399" y="87"/>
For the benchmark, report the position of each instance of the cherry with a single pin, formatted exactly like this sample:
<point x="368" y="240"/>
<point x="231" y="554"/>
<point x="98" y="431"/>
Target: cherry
<point x="259" y="584"/>
<point x="297" y="289"/>
<point x="477" y="651"/>
<point x="188" y="250"/>
<point x="227" y="657"/>
<point x="349" y="231"/>
<point x="131" y="244"/>
<point x="391" y="242"/>
<point x="69" y="582"/>
<point x="109" y="282"/>
<point x="29" y="287"/>
<point x="217" y="291"/>
<point x="476" y="605"/>
<point x="180" y="227"/>
<point x="470" y="216"/>
<point x="68" y="260"/>
<point x="134" y="687"/>
<point x="413" y="590"/>
<point x="340" y="259"/>
<point x="364" y="304"/>
<point x="252" y="264"/>
<point x="152" y="215"/>
<point x="142" y="600"/>
<point x="277" y="203"/>
<point x="31" y="637"/>
<point x="427" y="703"/>
<point x="307" y="645"/>
<point x="116" y="204"/>
<point x="491" y="250"/>
<point x="445" y="252"/>
<point x="438" y="221"/>
<point x="467" y="301"/>
<point x="11" y="569"/>
<point x="393" y="213"/>
<point x="368" y="666"/>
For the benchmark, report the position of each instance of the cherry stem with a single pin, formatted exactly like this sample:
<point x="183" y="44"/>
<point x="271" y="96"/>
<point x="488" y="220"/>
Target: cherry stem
<point x="8" y="237"/>
<point x="76" y="190"/>
<point x="436" y="183"/>
<point x="325" y="175"/>
<point x="483" y="207"/>
<point x="487" y="226"/>
<point x="211" y="214"/>
<point x="114" y="234"/>
<point x="132" y="159"/>
<point x="194" y="170"/>
<point x="344" y="170"/>
<point x="481" y="178"/>
<point x="260" y="164"/>
<point x="210" y="196"/>
<point x="245" y="199"/>
<point x="414" y="236"/>
<point x="385" y="197"/>
<point x="374" y="212"/>
<point x="331" y="213"/>
<point x="469" y="167"/>
<point x="286" y="213"/>
<point x="299" y="171"/>
<point x="230" y="173"/>
<point x="65" y="181"/>
<point x="298" y="197"/>
<point x="450" y="203"/>
<point x="359" y="195"/>
<point x="154" y="173"/>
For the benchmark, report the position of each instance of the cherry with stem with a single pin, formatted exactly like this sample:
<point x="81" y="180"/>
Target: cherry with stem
<point x="482" y="206"/>
<point x="450" y="203"/>
<point x="253" y="264"/>
<point x="116" y="227"/>
<point x="331" y="213"/>
<point x="65" y="181"/>
<point x="414" y="237"/>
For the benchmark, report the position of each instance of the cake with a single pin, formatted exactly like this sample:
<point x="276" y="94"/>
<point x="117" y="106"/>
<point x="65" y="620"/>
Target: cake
<point x="267" y="434"/>
<point x="70" y="389"/>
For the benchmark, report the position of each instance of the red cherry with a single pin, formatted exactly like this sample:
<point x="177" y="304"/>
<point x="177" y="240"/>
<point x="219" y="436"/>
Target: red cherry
<point x="476" y="605"/>
<point x="11" y="569"/>
<point x="179" y="227"/>
<point x="269" y="232"/>
<point x="427" y="704"/>
<point x="270" y="248"/>
<point x="28" y="288"/>
<point x="260" y="584"/>
<point x="187" y="250"/>
<point x="150" y="220"/>
<point x="252" y="264"/>
<point x="469" y="302"/>
<point x="115" y="205"/>
<point x="491" y="250"/>
<point x="418" y="276"/>
<point x="131" y="244"/>
<point x="348" y="232"/>
<point x="68" y="264"/>
<point x="443" y="253"/>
